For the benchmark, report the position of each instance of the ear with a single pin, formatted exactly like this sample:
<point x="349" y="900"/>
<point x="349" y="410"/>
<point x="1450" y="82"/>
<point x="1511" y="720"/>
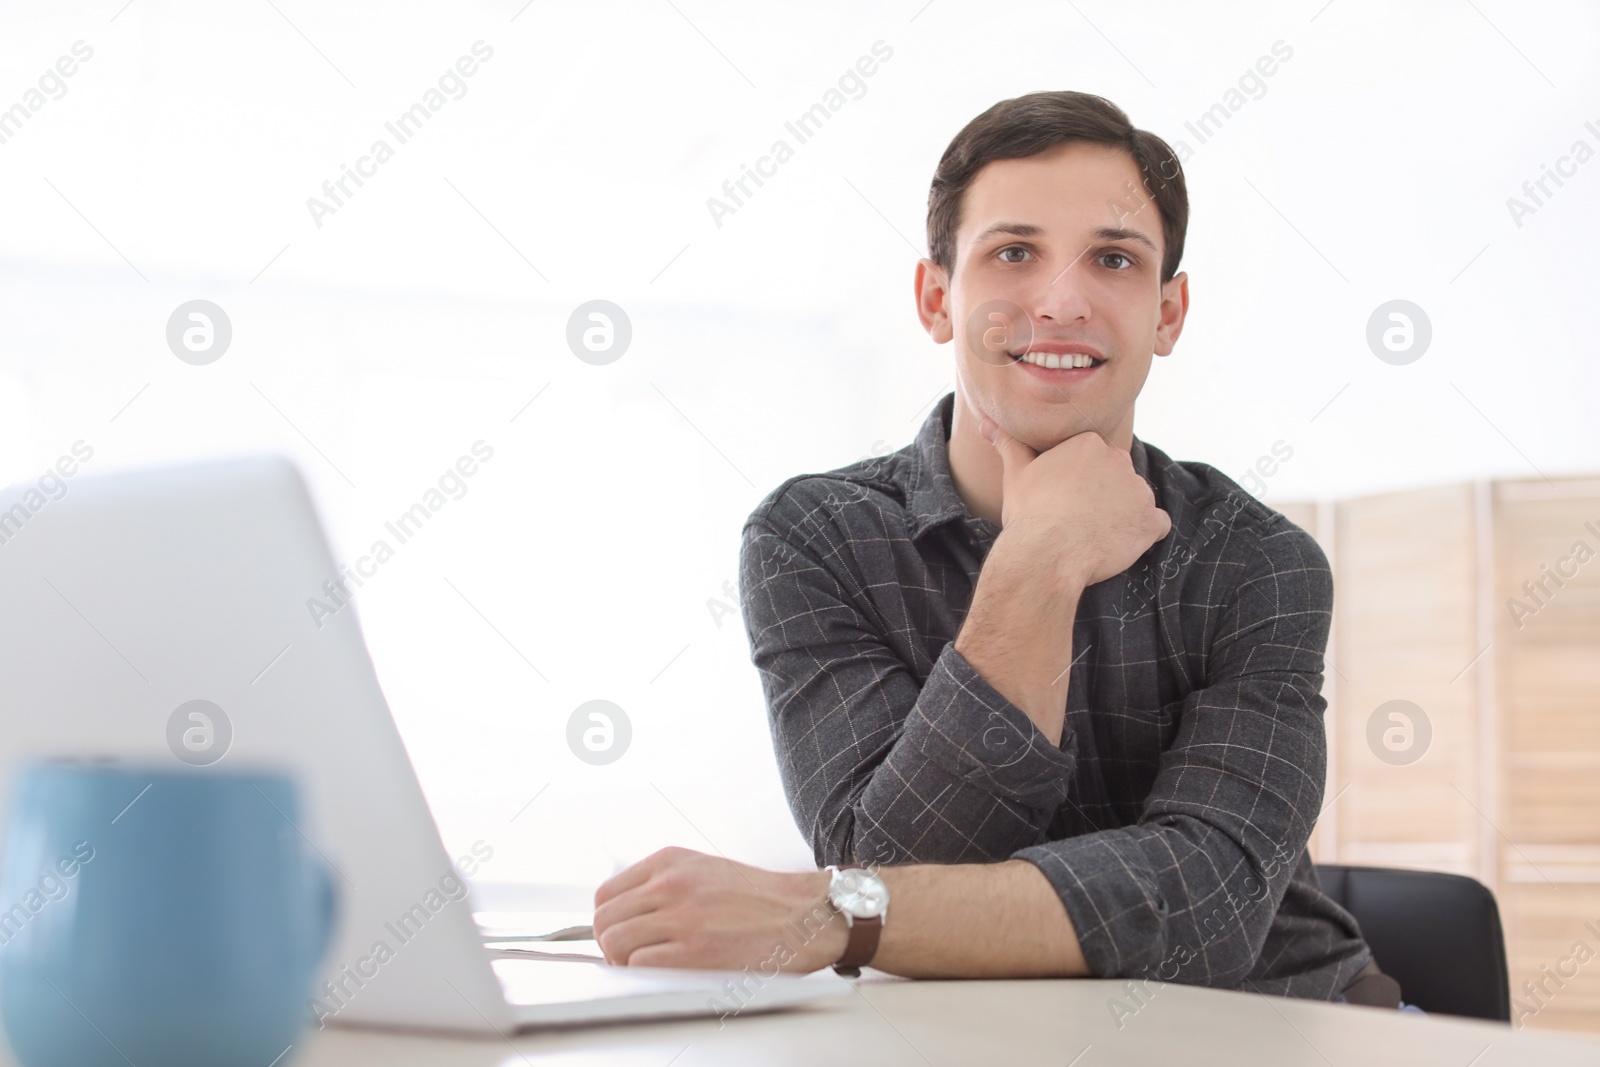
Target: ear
<point x="933" y="300"/>
<point x="1174" y="309"/>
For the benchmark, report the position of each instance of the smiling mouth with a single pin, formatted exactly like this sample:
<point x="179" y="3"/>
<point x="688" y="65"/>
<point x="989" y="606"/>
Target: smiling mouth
<point x="1052" y="361"/>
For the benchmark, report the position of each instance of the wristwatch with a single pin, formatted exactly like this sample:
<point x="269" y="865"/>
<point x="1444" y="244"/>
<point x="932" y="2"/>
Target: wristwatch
<point x="862" y="898"/>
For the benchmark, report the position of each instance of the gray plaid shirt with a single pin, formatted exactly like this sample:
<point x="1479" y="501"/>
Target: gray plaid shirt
<point x="1173" y="817"/>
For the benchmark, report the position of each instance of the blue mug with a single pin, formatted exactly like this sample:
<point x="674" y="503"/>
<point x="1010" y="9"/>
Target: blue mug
<point x="157" y="917"/>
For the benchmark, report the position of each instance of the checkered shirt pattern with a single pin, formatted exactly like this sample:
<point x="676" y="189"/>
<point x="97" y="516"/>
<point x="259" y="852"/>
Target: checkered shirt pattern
<point x="1173" y="817"/>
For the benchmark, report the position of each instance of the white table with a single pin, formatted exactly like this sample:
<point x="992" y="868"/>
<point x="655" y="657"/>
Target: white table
<point x="1060" y="1023"/>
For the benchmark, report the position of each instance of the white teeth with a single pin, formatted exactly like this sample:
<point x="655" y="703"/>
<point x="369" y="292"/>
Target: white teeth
<point x="1052" y="361"/>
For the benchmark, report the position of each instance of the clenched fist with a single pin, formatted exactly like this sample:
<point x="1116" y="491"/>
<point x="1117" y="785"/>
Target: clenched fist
<point x="1080" y="505"/>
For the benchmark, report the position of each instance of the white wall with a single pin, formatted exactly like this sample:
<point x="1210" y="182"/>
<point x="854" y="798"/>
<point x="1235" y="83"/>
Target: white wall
<point x="424" y="313"/>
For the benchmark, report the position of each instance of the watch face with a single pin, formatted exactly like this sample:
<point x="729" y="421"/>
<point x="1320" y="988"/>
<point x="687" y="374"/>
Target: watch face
<point x="859" y="893"/>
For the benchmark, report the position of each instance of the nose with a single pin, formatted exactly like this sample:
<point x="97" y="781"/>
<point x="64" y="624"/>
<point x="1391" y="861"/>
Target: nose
<point x="1064" y="299"/>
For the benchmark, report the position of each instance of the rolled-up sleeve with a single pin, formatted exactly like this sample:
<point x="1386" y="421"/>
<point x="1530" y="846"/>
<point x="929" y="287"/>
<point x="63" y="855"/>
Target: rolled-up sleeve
<point x="880" y="768"/>
<point x="1189" y="891"/>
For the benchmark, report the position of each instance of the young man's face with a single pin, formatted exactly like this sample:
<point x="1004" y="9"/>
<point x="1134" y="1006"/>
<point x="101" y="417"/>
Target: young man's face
<point x="1055" y="253"/>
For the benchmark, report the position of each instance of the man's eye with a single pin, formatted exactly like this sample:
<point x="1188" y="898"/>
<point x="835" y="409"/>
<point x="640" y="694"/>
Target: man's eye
<point x="1006" y="252"/>
<point x="1117" y="255"/>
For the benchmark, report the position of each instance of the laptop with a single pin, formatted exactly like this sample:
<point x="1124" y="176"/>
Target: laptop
<point x="126" y="595"/>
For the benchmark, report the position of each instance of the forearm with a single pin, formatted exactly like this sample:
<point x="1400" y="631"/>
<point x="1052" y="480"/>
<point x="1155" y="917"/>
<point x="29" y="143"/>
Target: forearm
<point x="916" y="811"/>
<point x="884" y="764"/>
<point x="1018" y="630"/>
<point x="990" y="920"/>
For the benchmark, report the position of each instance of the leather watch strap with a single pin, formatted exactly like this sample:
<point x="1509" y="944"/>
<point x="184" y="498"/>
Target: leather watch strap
<point x="862" y="946"/>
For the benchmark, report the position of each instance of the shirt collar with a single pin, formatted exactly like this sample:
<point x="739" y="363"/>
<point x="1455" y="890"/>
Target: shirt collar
<point x="931" y="495"/>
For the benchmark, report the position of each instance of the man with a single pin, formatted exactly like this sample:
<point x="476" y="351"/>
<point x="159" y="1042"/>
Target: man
<point x="1059" y="693"/>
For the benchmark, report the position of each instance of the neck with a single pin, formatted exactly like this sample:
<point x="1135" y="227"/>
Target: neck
<point x="975" y="464"/>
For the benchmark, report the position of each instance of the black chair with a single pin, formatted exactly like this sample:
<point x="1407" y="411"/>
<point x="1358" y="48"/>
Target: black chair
<point x="1437" y="934"/>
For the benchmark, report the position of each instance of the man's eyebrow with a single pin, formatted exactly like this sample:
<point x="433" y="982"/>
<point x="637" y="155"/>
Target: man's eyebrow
<point x="1015" y="229"/>
<point x="1028" y="229"/>
<point x="1123" y="233"/>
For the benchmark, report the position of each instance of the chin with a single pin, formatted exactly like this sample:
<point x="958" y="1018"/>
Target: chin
<point x="1045" y="442"/>
<point x="1043" y="433"/>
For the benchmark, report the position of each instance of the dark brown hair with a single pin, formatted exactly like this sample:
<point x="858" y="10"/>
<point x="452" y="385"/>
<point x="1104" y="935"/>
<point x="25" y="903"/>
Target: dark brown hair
<point x="1035" y="123"/>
